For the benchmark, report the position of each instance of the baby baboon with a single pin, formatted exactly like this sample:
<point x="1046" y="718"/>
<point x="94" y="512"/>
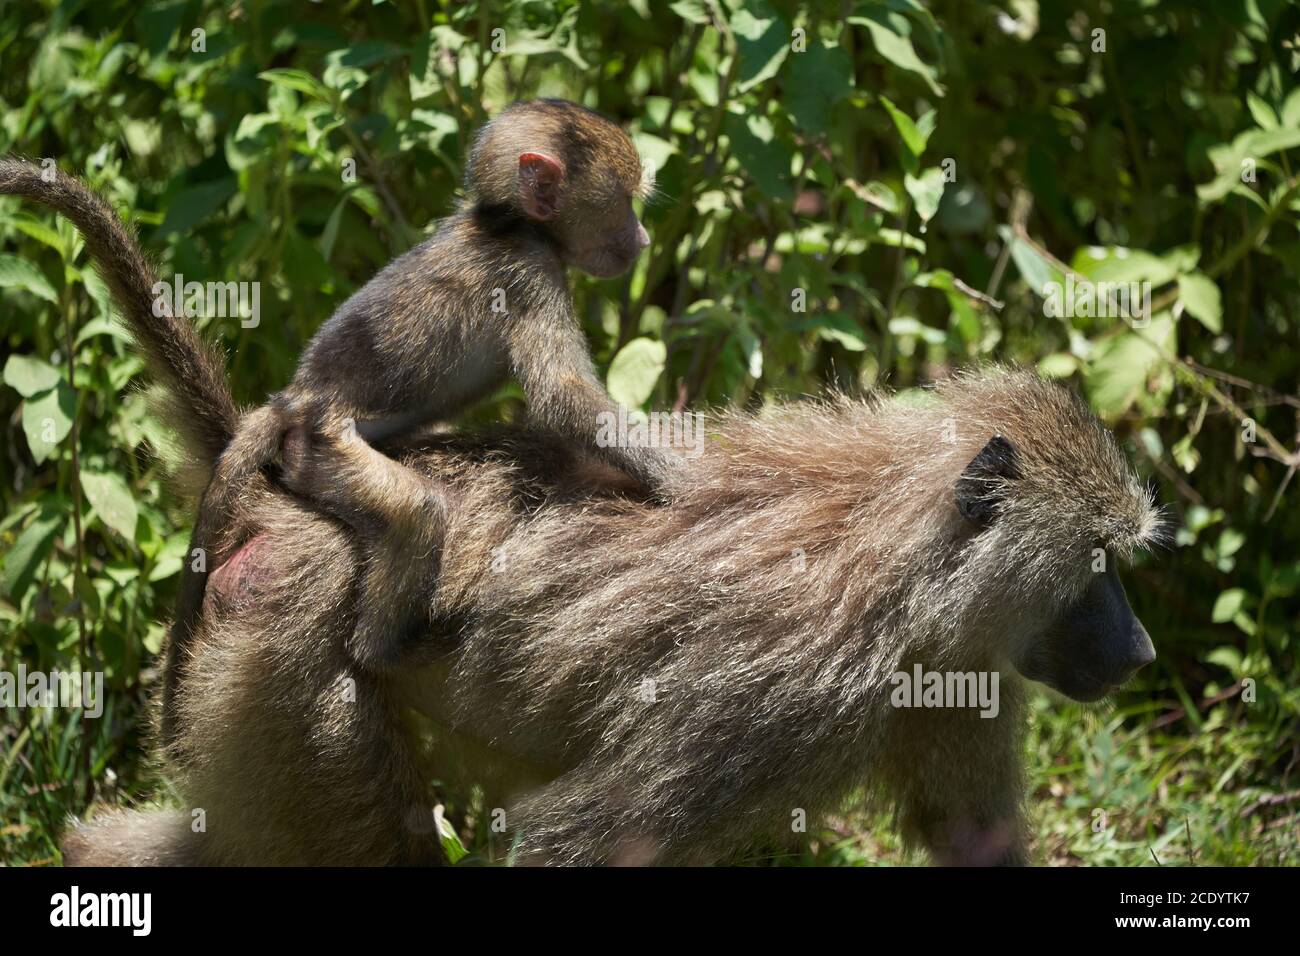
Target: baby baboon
<point x="550" y="185"/>
<point x="670" y="684"/>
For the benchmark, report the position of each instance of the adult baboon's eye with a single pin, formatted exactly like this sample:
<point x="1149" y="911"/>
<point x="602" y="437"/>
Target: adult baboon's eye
<point x="981" y="488"/>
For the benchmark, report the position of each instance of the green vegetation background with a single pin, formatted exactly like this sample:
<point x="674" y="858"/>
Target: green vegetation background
<point x="844" y="190"/>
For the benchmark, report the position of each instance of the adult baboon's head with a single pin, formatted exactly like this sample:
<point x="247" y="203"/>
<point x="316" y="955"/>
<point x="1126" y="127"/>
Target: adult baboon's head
<point x="1050" y="495"/>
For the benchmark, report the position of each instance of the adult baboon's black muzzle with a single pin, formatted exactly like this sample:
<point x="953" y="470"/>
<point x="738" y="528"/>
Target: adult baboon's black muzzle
<point x="1095" y="646"/>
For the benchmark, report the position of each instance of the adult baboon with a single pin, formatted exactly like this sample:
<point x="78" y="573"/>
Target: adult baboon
<point x="664" y="683"/>
<point x="651" y="683"/>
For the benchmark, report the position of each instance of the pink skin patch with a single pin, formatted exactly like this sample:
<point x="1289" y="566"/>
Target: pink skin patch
<point x="234" y="578"/>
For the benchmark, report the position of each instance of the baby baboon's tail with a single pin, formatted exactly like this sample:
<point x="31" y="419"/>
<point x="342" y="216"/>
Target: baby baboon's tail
<point x="200" y="406"/>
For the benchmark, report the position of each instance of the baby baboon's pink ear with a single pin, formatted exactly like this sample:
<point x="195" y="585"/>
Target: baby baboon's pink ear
<point x="540" y="182"/>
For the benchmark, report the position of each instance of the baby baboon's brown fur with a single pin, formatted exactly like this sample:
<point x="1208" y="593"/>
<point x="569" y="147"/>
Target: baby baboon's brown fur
<point x="671" y="683"/>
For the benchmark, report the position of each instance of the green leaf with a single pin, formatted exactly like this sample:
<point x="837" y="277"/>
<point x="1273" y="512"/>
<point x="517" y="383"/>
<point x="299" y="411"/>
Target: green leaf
<point x="112" y="501"/>
<point x="962" y="307"/>
<point x="762" y="43"/>
<point x="907" y="325"/>
<point x="888" y="34"/>
<point x="100" y="294"/>
<point x="27" y="553"/>
<point x="18" y="273"/>
<point x="913" y="137"/>
<point x="441" y="126"/>
<point x="29" y="375"/>
<point x="196" y="203"/>
<point x="253" y="140"/>
<point x="330" y="233"/>
<point x="1227" y="605"/>
<point x="1290" y="117"/>
<point x="889" y="237"/>
<point x="750" y="348"/>
<point x="1261" y="111"/>
<point x="451" y="844"/>
<point x="1036" y="270"/>
<point x="761" y="154"/>
<point x="109" y="326"/>
<point x="365" y="53"/>
<point x="154" y="638"/>
<point x="654" y="151"/>
<point x="47" y="419"/>
<point x="427" y="64"/>
<point x="1058" y="365"/>
<point x="171" y="558"/>
<point x="836" y="327"/>
<point x="926" y="190"/>
<point x="1228" y="158"/>
<point x="1201" y="297"/>
<point x="299" y="80"/>
<point x="1119" y="264"/>
<point x="1229" y="658"/>
<point x="158" y="23"/>
<point x="1118" y="372"/>
<point x="303" y="262"/>
<point x="346" y="79"/>
<point x="1184" y="453"/>
<point x="1230" y="542"/>
<point x="692" y="11"/>
<point x="635" y="370"/>
<point x="36" y="229"/>
<point x="817" y="79"/>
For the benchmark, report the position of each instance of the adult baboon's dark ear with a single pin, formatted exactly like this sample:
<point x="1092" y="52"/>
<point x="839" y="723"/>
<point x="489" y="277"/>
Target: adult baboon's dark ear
<point x="981" y="488"/>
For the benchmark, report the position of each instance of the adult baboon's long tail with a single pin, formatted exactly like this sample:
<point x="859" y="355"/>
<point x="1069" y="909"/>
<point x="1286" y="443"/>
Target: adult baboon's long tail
<point x="196" y="394"/>
<point x="200" y="406"/>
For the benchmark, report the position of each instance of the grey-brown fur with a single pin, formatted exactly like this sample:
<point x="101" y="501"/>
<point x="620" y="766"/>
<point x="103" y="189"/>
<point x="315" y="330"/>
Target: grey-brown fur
<point x="427" y="336"/>
<point x="558" y="595"/>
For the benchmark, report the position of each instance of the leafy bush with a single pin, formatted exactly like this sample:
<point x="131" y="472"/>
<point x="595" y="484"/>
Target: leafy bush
<point x="849" y="193"/>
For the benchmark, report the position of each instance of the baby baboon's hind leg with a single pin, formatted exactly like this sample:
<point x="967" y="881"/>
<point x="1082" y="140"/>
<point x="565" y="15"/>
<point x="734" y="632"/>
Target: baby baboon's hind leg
<point x="398" y="515"/>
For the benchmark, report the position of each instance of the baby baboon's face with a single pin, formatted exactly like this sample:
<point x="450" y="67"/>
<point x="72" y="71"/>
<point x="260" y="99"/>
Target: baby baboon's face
<point x="601" y="233"/>
<point x="609" y="240"/>
<point x="578" y="174"/>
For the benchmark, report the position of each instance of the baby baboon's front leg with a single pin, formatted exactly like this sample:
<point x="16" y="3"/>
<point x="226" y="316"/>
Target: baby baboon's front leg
<point x="398" y="515"/>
